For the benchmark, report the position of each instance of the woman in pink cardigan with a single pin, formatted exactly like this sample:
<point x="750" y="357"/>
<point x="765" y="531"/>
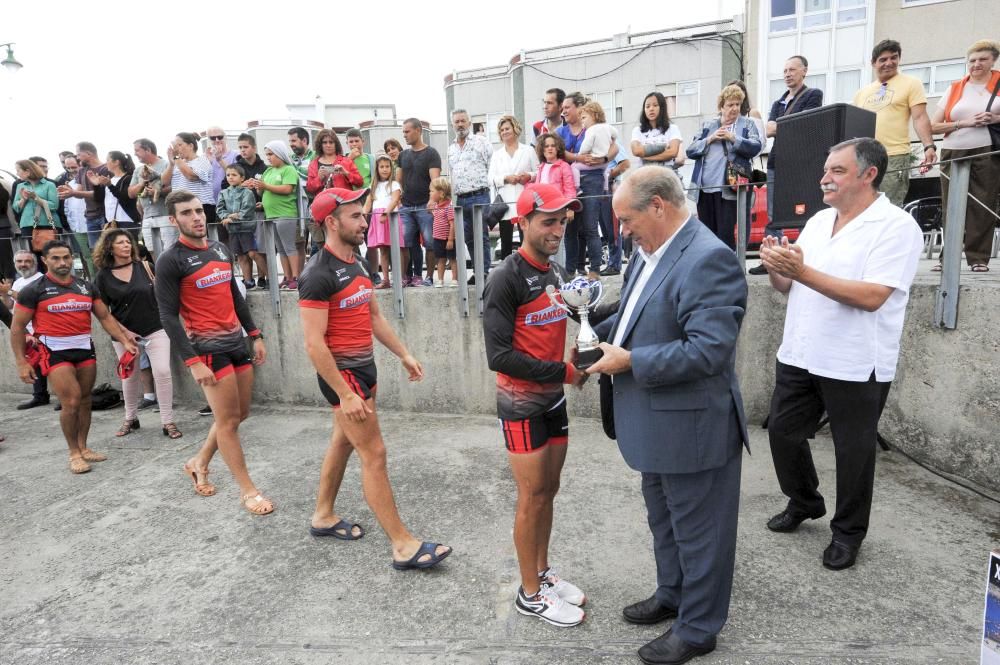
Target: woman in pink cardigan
<point x="553" y="169"/>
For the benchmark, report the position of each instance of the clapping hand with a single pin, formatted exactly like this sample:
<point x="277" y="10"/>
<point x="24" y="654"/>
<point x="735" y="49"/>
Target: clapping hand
<point x="781" y="258"/>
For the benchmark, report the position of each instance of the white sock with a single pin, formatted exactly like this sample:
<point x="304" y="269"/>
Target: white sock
<point x="150" y="396"/>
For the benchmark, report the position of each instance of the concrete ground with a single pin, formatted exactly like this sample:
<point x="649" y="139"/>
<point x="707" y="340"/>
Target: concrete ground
<point x="126" y="565"/>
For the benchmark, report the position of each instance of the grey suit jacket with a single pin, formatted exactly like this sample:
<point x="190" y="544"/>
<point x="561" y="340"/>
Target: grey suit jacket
<point x="679" y="409"/>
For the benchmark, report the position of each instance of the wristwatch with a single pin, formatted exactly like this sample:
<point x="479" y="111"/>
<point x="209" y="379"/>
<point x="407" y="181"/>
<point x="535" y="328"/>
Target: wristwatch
<point x="259" y="335"/>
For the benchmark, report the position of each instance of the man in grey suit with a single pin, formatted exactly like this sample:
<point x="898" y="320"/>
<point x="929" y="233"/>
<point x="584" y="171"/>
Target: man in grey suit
<point x="678" y="412"/>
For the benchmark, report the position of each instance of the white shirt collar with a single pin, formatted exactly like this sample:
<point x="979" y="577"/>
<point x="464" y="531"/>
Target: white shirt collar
<point x="654" y="258"/>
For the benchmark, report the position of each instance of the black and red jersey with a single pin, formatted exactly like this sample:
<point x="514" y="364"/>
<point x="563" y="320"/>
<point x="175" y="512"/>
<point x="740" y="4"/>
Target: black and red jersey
<point x="197" y="283"/>
<point x="344" y="290"/>
<point x="58" y="309"/>
<point x="525" y="337"/>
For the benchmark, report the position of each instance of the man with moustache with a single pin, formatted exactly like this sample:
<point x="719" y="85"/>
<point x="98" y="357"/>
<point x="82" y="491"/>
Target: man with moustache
<point x="678" y="412"/>
<point x="847" y="278"/>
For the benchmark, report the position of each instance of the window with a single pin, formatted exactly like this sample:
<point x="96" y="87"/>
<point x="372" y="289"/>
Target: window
<point x="688" y="98"/>
<point x="815" y="13"/>
<point x="848" y="83"/>
<point x="937" y="76"/>
<point x="491" y="126"/>
<point x="849" y="11"/>
<point x="783" y="15"/>
<point x="618" y="111"/>
<point x="669" y="92"/>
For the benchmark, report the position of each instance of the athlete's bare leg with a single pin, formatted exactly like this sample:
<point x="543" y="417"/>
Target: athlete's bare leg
<point x="63" y="382"/>
<point x="531" y="475"/>
<point x="554" y="457"/>
<point x="85" y="377"/>
<point x="230" y="402"/>
<point x="330" y="478"/>
<point x="366" y="438"/>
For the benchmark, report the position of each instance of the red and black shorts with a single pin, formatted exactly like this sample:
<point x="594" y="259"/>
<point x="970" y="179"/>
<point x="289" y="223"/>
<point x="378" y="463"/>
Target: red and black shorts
<point x="531" y="434"/>
<point x="224" y="363"/>
<point x="362" y="380"/>
<point x="50" y="360"/>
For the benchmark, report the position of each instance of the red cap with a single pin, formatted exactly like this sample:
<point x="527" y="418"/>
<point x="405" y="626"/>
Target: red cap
<point x="327" y="201"/>
<point x="126" y="365"/>
<point x="545" y="198"/>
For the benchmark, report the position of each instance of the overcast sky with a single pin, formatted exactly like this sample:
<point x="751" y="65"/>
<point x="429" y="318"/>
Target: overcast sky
<point x="115" y="71"/>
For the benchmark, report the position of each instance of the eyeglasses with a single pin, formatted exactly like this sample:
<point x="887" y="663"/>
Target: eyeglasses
<point x="217" y="138"/>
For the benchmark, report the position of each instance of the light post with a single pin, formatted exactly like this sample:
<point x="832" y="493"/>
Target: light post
<point x="10" y="63"/>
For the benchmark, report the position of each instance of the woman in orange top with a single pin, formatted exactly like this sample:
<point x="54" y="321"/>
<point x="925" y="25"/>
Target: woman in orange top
<point x="970" y="106"/>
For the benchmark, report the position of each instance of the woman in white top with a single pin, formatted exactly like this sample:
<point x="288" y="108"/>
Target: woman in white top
<point x="656" y="140"/>
<point x="511" y="167"/>
<point x="963" y="117"/>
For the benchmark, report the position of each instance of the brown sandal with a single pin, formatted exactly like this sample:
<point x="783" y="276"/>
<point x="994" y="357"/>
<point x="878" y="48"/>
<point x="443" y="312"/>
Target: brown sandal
<point x="92" y="455"/>
<point x="78" y="465"/>
<point x="171" y="430"/>
<point x="128" y="427"/>
<point x="203" y="488"/>
<point x="260" y="504"/>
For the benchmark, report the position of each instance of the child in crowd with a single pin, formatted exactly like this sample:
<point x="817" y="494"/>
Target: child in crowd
<point x="236" y="209"/>
<point x="600" y="135"/>
<point x="384" y="198"/>
<point x="443" y="229"/>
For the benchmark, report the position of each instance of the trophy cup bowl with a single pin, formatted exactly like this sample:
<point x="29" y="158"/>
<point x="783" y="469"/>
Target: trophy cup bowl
<point x="578" y="296"/>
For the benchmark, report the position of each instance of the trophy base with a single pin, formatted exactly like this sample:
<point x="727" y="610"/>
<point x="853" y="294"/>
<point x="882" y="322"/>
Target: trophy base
<point x="585" y="359"/>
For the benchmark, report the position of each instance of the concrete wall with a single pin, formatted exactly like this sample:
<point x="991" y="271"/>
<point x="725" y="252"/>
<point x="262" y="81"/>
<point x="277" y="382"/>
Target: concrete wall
<point x="944" y="408"/>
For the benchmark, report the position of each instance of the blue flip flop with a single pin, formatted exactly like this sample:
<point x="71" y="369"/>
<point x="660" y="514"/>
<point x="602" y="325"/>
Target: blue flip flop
<point x="425" y="548"/>
<point x="342" y="530"/>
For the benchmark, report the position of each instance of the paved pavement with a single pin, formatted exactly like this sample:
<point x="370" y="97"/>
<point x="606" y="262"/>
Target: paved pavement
<point x="126" y="565"/>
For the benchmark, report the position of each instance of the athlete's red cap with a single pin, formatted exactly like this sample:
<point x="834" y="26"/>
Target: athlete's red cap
<point x="327" y="201"/>
<point x="544" y="198"/>
<point x="126" y="365"/>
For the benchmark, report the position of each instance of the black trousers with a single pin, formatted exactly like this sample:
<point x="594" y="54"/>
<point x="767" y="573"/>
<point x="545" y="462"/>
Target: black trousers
<point x="854" y="409"/>
<point x="719" y="215"/>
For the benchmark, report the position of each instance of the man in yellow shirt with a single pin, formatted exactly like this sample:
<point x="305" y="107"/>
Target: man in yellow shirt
<point x="896" y="98"/>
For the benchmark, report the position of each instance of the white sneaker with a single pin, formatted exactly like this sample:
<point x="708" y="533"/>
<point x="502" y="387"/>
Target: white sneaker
<point x="565" y="590"/>
<point x="548" y="606"/>
<point x="438" y="285"/>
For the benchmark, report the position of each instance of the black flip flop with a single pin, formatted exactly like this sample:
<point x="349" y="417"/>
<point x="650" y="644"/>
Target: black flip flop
<point x="342" y="526"/>
<point x="425" y="548"/>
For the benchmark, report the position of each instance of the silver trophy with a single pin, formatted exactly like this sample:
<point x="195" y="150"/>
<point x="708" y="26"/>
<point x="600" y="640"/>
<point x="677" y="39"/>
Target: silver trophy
<point x="581" y="294"/>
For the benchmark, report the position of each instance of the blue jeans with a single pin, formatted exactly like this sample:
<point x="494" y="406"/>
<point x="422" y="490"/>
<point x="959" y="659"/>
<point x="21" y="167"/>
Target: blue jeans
<point x="584" y="241"/>
<point x="771" y="229"/>
<point x="470" y="242"/>
<point x="417" y="221"/>
<point x="94" y="227"/>
<point x="609" y="229"/>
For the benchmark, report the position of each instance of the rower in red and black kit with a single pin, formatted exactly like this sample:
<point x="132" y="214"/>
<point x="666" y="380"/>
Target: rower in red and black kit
<point x="59" y="306"/>
<point x="525" y="345"/>
<point x="194" y="280"/>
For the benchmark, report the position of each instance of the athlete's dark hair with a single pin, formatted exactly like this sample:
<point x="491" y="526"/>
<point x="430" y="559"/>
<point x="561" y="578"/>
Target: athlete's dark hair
<point x="178" y="196"/>
<point x="662" y="120"/>
<point x="299" y="132"/>
<point x="55" y="244"/>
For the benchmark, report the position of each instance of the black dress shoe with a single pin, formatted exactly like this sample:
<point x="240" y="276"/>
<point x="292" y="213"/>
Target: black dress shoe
<point x="33" y="402"/>
<point x="758" y="270"/>
<point x="838" y="555"/>
<point x="668" y="649"/>
<point x="608" y="272"/>
<point x="648" y="611"/>
<point x="786" y="521"/>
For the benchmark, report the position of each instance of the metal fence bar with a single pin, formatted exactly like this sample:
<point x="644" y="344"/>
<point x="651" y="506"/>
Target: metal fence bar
<point x="742" y="198"/>
<point x="946" y="301"/>
<point x="271" y="257"/>
<point x="478" y="268"/>
<point x="463" y="274"/>
<point x="213" y="232"/>
<point x="395" y="256"/>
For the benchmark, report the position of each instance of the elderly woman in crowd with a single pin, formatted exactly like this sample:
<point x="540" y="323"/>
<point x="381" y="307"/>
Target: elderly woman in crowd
<point x="278" y="188"/>
<point x="125" y="284"/>
<point x="186" y="170"/>
<point x="729" y="138"/>
<point x="963" y="117"/>
<point x="35" y="201"/>
<point x="511" y="167"/>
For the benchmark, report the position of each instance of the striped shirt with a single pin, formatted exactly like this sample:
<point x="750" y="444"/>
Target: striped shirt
<point x="202" y="187"/>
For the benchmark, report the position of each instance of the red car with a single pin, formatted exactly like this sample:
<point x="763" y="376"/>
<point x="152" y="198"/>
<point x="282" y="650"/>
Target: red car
<point x="758" y="220"/>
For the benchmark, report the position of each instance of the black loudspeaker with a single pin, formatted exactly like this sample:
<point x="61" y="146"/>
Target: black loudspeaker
<point x="806" y="139"/>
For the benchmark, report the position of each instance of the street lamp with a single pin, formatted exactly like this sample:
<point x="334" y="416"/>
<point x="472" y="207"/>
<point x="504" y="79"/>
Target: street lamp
<point x="9" y="63"/>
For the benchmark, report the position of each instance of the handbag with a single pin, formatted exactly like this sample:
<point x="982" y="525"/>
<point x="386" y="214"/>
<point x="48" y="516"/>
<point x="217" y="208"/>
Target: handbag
<point x="39" y="237"/>
<point x="736" y="174"/>
<point x="496" y="212"/>
<point x="994" y="128"/>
